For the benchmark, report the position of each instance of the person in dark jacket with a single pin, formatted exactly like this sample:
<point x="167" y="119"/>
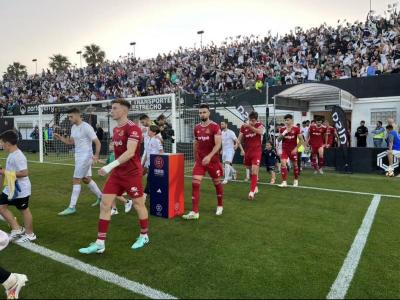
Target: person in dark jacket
<point x="270" y="160"/>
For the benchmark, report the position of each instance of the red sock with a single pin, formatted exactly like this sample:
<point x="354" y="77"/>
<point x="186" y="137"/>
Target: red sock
<point x="102" y="229"/>
<point x="253" y="182"/>
<point x="296" y="170"/>
<point x="284" y="173"/>
<point x="144" y="226"/>
<point x="321" y="162"/>
<point x="220" y="193"/>
<point x="195" y="196"/>
<point x="314" y="162"/>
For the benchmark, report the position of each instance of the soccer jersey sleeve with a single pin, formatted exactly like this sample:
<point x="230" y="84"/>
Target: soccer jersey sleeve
<point x="90" y="132"/>
<point x="217" y="129"/>
<point x="134" y="134"/>
<point x="20" y="163"/>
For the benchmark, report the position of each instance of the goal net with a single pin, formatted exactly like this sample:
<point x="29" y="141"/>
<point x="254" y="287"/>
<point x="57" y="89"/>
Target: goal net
<point x="53" y="118"/>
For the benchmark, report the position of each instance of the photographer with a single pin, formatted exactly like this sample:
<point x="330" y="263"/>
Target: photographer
<point x="166" y="130"/>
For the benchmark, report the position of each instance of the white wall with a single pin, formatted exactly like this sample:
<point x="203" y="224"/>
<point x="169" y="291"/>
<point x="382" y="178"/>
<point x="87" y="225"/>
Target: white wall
<point x="362" y="111"/>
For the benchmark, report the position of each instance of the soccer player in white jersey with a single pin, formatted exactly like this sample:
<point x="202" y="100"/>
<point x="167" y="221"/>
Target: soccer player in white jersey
<point x="82" y="136"/>
<point x="18" y="189"/>
<point x="229" y="146"/>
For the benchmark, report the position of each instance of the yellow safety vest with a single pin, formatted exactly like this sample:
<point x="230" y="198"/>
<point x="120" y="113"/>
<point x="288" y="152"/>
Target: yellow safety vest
<point x="380" y="136"/>
<point x="301" y="148"/>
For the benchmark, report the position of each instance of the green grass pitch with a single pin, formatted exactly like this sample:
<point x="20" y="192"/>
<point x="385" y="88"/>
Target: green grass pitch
<point x="286" y="244"/>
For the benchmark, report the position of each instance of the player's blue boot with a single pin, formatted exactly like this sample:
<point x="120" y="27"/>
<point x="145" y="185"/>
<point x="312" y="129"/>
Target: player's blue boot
<point x="97" y="203"/>
<point x="67" y="211"/>
<point x="93" y="248"/>
<point x="140" y="242"/>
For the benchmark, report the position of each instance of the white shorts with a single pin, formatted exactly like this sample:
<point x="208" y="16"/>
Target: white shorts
<point x="83" y="168"/>
<point x="396" y="153"/>
<point x="227" y="155"/>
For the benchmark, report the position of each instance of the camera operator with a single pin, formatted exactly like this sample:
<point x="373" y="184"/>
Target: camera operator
<point x="166" y="129"/>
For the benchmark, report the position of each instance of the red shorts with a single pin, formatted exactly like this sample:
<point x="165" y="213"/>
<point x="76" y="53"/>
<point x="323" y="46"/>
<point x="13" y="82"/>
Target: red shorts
<point x="117" y="185"/>
<point x="214" y="169"/>
<point x="286" y="154"/>
<point x="315" y="149"/>
<point x="253" y="158"/>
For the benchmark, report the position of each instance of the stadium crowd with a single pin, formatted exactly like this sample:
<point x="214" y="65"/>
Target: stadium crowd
<point x="322" y="53"/>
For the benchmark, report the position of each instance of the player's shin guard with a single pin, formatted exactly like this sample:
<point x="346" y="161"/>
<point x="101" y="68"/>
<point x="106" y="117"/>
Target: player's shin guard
<point x="195" y="196"/>
<point x="321" y="162"/>
<point x="284" y="173"/>
<point x="102" y="230"/>
<point x="144" y="226"/>
<point x="253" y="182"/>
<point x="219" y="189"/>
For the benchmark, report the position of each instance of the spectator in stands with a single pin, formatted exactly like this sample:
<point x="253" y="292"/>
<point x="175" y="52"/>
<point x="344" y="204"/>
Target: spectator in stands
<point x="320" y="53"/>
<point x="361" y="135"/>
<point x="378" y="135"/>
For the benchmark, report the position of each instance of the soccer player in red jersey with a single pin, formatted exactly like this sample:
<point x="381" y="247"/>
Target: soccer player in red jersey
<point x="317" y="138"/>
<point x="126" y="176"/>
<point x="331" y="133"/>
<point x="291" y="138"/>
<point x="207" y="145"/>
<point x="252" y="134"/>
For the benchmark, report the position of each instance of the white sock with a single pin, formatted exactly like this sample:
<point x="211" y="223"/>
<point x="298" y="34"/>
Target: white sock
<point x="144" y="235"/>
<point x="100" y="242"/>
<point x="10" y="282"/>
<point x="227" y="171"/>
<point x="248" y="173"/>
<point x="233" y="171"/>
<point x="76" y="190"/>
<point x="94" y="189"/>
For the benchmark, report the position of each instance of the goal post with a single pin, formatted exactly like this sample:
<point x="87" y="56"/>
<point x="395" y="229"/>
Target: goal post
<point x="53" y="119"/>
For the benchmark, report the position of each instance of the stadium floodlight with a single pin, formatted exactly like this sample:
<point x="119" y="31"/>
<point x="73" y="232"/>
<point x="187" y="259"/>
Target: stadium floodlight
<point x="200" y="32"/>
<point x="35" y="61"/>
<point x="80" y="57"/>
<point x="134" y="48"/>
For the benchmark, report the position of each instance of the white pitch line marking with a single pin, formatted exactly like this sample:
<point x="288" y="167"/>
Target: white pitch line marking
<point x="342" y="283"/>
<point x="102" y="274"/>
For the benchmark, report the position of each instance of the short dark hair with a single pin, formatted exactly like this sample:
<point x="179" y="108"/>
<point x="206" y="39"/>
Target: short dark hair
<point x="380" y="123"/>
<point x="143" y="117"/>
<point x="253" y="115"/>
<point x="122" y="102"/>
<point x="362" y="121"/>
<point x="204" y="106"/>
<point x="161" y="117"/>
<point x="154" y="128"/>
<point x="73" y="110"/>
<point x="389" y="127"/>
<point x="9" y="136"/>
<point x="288" y="116"/>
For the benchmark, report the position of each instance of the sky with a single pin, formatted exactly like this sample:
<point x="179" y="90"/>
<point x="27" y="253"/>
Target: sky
<point x="40" y="28"/>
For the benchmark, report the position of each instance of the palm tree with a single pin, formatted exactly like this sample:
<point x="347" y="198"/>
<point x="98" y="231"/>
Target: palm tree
<point x="59" y="62"/>
<point x="94" y="55"/>
<point x="16" y="70"/>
